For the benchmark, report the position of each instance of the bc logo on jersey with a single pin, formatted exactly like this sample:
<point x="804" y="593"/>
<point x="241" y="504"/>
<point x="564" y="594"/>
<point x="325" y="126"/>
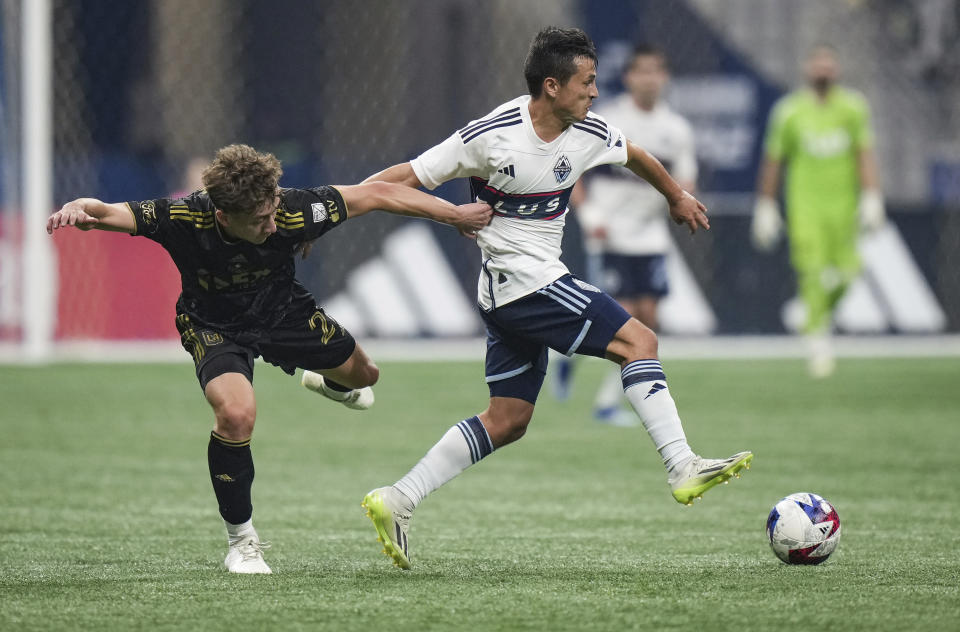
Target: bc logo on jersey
<point x="562" y="169"/>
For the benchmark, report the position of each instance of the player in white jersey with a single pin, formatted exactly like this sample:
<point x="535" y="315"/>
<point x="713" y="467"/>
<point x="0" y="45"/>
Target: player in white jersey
<point x="523" y="159"/>
<point x="624" y="218"/>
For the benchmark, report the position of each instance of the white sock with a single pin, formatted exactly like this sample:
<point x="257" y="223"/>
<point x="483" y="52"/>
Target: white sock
<point x="237" y="531"/>
<point x="610" y="392"/>
<point x="645" y="386"/>
<point x="461" y="446"/>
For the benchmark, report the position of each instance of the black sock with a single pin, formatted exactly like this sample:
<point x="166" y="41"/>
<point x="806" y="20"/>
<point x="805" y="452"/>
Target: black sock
<point x="231" y="471"/>
<point x="333" y="386"/>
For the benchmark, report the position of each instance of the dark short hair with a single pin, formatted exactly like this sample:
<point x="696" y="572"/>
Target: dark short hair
<point x="553" y="53"/>
<point x="644" y="49"/>
<point x="241" y="180"/>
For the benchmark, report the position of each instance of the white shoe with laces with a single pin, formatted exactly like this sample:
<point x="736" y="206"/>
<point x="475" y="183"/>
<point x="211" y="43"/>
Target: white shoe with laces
<point x="357" y="399"/>
<point x="689" y="480"/>
<point x="246" y="556"/>
<point x="390" y="510"/>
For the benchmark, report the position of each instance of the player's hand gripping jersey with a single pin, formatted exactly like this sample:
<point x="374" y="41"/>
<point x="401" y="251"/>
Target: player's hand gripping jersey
<point x="528" y="184"/>
<point x="237" y="285"/>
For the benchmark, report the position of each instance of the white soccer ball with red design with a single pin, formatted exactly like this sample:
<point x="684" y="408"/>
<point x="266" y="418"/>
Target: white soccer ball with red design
<point x="803" y="528"/>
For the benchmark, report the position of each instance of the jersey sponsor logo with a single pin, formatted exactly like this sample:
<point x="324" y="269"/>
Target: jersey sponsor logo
<point x="562" y="169"/>
<point x="237" y="279"/>
<point x="547" y="205"/>
<point x="834" y="142"/>
<point x="319" y="212"/>
<point x="148" y="210"/>
<point x="507" y="171"/>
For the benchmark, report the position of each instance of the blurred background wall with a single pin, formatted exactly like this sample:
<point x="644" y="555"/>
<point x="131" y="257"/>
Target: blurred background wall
<point x="145" y="89"/>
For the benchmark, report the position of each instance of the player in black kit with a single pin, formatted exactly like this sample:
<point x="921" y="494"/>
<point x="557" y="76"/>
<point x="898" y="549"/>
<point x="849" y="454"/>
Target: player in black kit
<point x="234" y="244"/>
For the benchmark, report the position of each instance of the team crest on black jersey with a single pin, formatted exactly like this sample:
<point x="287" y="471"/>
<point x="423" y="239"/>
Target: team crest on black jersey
<point x="562" y="169"/>
<point x="319" y="212"/>
<point x="237" y="264"/>
<point x="211" y="338"/>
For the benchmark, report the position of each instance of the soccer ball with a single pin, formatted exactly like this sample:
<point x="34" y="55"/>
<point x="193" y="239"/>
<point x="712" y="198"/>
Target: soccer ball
<point x="803" y="529"/>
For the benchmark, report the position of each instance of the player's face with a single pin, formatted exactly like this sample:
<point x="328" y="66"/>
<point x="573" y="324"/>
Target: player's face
<point x="646" y="78"/>
<point x="253" y="227"/>
<point x="822" y="69"/>
<point x="575" y="96"/>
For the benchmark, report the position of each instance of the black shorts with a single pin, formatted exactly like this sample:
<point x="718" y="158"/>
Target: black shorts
<point x="306" y="339"/>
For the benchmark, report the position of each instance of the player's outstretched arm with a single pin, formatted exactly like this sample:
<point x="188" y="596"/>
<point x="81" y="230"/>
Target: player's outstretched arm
<point x="684" y="208"/>
<point x="402" y="200"/>
<point x="402" y="173"/>
<point x="87" y="213"/>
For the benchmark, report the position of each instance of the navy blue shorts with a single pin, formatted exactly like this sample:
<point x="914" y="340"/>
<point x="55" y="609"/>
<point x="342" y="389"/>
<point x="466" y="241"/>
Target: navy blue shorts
<point x="567" y="315"/>
<point x="633" y="276"/>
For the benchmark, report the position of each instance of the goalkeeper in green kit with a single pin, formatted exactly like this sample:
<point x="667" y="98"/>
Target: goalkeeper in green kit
<point x="821" y="135"/>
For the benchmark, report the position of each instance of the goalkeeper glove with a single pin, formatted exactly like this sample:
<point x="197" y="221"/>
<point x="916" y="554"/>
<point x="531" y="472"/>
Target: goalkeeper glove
<point x="767" y="223"/>
<point x="872" y="213"/>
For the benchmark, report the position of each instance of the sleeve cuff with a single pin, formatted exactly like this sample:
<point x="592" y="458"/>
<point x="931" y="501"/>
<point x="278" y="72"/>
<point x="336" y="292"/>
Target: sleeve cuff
<point x="422" y="175"/>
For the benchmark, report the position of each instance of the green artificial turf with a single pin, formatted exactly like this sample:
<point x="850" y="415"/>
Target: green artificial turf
<point x="108" y="520"/>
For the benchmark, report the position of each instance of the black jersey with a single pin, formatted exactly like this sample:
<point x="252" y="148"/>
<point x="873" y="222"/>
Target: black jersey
<point x="238" y="285"/>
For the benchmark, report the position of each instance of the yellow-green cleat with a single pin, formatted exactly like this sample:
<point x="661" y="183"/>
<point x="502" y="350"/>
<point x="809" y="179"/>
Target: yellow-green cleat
<point x="697" y="475"/>
<point x="385" y="508"/>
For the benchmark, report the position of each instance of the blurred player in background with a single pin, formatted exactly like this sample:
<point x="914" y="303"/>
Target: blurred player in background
<point x="192" y="178"/>
<point x="234" y="245"/>
<point x="625" y="218"/>
<point x="523" y="159"/>
<point x="821" y="134"/>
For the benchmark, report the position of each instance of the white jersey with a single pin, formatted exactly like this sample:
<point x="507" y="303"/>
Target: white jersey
<point x="528" y="184"/>
<point x="634" y="213"/>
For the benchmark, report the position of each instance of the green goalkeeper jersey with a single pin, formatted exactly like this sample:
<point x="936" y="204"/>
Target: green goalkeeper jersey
<point x="820" y="142"/>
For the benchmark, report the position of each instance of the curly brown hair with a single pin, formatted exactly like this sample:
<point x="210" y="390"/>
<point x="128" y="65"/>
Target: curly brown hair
<point x="241" y="180"/>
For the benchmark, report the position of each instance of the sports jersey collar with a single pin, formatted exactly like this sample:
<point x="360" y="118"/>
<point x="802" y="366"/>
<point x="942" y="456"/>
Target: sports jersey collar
<point x="532" y="133"/>
<point x="223" y="235"/>
<point x="830" y="97"/>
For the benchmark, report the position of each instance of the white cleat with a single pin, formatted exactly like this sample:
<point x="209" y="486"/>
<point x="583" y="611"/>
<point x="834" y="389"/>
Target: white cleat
<point x="246" y="556"/>
<point x="357" y="399"/>
<point x="691" y="479"/>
